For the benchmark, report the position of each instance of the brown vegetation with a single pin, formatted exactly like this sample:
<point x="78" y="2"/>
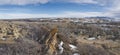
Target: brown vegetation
<point x="44" y="38"/>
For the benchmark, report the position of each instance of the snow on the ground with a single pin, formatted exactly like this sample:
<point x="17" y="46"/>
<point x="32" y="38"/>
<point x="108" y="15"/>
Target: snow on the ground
<point x="76" y="54"/>
<point x="73" y="47"/>
<point x="60" y="47"/>
<point x="3" y="38"/>
<point x="92" y="38"/>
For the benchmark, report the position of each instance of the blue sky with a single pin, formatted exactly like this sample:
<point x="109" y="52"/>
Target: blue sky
<point x="58" y="8"/>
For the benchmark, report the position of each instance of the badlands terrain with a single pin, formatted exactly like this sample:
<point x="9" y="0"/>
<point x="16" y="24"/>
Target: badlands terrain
<point x="59" y="37"/>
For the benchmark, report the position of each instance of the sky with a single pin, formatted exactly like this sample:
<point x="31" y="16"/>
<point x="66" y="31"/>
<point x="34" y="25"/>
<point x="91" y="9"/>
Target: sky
<point x="58" y="8"/>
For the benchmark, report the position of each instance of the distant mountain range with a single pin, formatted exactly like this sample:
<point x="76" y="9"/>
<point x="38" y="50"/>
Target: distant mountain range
<point x="106" y="18"/>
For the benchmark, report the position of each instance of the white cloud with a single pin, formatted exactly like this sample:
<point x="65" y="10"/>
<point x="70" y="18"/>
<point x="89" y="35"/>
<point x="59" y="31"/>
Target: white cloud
<point x="83" y="1"/>
<point x="22" y="2"/>
<point x="113" y="8"/>
<point x="21" y="15"/>
<point x="3" y="9"/>
<point x="85" y="14"/>
<point x="98" y="2"/>
<point x="25" y="2"/>
<point x="64" y="14"/>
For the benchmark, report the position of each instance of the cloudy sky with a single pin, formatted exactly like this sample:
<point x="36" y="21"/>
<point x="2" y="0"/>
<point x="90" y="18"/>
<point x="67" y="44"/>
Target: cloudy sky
<point x="58" y="8"/>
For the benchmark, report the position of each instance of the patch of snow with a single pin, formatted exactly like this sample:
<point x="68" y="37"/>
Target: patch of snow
<point x="105" y="28"/>
<point x="99" y="37"/>
<point x="60" y="47"/>
<point x="92" y="38"/>
<point x="55" y="20"/>
<point x="41" y="19"/>
<point x="76" y="21"/>
<point x="76" y="54"/>
<point x="3" y="38"/>
<point x="73" y="47"/>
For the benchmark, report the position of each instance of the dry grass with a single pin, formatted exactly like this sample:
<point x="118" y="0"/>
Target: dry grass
<point x="40" y="38"/>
